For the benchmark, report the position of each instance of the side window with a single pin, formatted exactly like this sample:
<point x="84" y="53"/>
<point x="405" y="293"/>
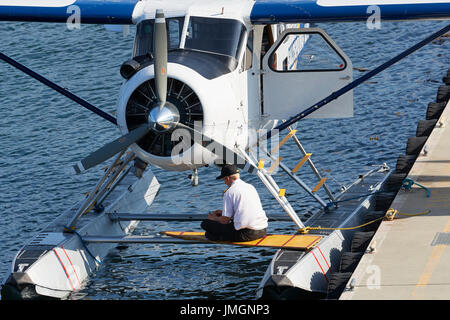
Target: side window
<point x="144" y="38"/>
<point x="174" y="33"/>
<point x="267" y="40"/>
<point x="144" y="35"/>
<point x="306" y="52"/>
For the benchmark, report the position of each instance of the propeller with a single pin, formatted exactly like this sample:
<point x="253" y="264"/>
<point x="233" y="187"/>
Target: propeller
<point x="164" y="116"/>
<point x="111" y="149"/>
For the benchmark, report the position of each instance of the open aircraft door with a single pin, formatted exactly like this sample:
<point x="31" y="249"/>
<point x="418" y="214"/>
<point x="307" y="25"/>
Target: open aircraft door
<point x="302" y="67"/>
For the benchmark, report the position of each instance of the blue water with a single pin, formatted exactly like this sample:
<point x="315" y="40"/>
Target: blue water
<point x="43" y="133"/>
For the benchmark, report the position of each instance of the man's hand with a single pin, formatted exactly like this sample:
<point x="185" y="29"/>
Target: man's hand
<point x="214" y="215"/>
<point x="217" y="216"/>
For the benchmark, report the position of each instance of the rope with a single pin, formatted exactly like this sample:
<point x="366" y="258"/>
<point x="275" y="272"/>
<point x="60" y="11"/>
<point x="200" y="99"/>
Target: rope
<point x="71" y="230"/>
<point x="408" y="183"/>
<point x="390" y="214"/>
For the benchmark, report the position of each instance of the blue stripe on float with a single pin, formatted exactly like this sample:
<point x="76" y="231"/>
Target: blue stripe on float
<point x="274" y="11"/>
<point x="95" y="12"/>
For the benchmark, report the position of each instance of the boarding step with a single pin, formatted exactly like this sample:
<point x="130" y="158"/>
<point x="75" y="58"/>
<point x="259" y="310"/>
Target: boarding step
<point x="292" y="173"/>
<point x="295" y="241"/>
<point x="288" y="241"/>
<point x="177" y="217"/>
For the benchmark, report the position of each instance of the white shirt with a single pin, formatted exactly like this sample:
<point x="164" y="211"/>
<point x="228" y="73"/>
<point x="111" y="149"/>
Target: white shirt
<point x="241" y="203"/>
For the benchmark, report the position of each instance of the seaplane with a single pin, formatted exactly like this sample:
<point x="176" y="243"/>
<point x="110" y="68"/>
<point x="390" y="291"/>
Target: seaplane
<point x="208" y="83"/>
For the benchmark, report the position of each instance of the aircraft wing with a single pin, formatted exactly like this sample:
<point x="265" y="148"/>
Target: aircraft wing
<point x="274" y="11"/>
<point x="90" y="11"/>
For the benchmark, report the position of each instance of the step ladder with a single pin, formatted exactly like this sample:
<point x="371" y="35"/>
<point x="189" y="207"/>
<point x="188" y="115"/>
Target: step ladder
<point x="275" y="190"/>
<point x="292" y="173"/>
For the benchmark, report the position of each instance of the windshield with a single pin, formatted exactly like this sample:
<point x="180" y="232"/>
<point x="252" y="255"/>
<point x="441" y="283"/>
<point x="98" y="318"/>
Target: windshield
<point x="144" y="35"/>
<point x="223" y="36"/>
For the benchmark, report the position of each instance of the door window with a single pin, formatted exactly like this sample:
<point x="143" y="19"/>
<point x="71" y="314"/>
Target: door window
<point x="306" y="52"/>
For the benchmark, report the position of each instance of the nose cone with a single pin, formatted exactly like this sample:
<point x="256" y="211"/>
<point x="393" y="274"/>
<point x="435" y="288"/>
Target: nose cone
<point x="163" y="117"/>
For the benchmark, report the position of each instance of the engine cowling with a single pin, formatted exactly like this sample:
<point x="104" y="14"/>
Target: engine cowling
<point x="208" y="105"/>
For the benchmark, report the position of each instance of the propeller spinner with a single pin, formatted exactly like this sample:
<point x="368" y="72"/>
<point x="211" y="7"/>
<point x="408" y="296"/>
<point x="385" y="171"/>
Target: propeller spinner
<point x="163" y="117"/>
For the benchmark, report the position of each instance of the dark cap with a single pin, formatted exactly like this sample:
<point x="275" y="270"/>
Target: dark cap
<point x="228" y="170"/>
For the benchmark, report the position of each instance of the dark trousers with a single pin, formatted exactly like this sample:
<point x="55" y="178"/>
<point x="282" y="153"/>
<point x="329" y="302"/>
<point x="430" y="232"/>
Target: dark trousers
<point x="216" y="231"/>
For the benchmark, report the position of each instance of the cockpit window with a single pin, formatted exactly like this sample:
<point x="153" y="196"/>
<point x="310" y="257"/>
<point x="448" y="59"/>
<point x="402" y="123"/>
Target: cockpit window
<point x="222" y="36"/>
<point x="144" y="35"/>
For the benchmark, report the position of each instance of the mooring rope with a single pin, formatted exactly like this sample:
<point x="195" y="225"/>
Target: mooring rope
<point x="390" y="214"/>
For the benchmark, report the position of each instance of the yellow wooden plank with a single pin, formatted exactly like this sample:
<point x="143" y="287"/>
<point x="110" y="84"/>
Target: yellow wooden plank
<point x="296" y="241"/>
<point x="290" y="134"/>
<point x="261" y="164"/>
<point x="188" y="235"/>
<point x="321" y="182"/>
<point x="301" y="163"/>
<point x="270" y="240"/>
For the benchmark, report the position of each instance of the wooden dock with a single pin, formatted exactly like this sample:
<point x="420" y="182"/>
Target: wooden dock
<point x="411" y="260"/>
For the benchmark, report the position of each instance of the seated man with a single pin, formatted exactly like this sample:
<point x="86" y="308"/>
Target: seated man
<point x="242" y="218"/>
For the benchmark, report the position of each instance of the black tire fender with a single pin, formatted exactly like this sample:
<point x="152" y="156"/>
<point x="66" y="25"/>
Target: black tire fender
<point x="404" y="163"/>
<point x="361" y="241"/>
<point x="349" y="261"/>
<point x="395" y="180"/>
<point x="415" y="144"/>
<point x="425" y="127"/>
<point x="336" y="284"/>
<point x="443" y="94"/>
<point x="434" y="110"/>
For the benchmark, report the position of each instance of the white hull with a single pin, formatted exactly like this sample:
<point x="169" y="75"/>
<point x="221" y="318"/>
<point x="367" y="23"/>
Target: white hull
<point x="57" y="263"/>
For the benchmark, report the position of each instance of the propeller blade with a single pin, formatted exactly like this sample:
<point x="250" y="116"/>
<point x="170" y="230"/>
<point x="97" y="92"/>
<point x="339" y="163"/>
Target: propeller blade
<point x="160" y="50"/>
<point x="110" y="149"/>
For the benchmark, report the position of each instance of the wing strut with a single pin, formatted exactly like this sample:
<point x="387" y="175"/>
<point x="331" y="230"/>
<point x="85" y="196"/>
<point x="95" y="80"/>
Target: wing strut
<point x="57" y="88"/>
